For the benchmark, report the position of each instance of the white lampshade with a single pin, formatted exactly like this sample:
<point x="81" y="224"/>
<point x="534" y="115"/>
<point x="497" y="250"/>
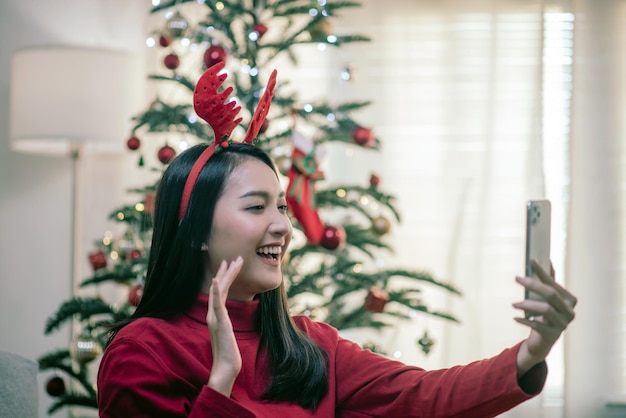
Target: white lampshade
<point x="66" y="98"/>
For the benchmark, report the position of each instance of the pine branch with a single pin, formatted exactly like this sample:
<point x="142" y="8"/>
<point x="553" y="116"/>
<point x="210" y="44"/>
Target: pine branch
<point x="175" y="118"/>
<point x="54" y="359"/>
<point x="178" y="78"/>
<point x="332" y="198"/>
<point x="285" y="8"/>
<point x="118" y="276"/>
<point x="167" y="4"/>
<point x="62" y="360"/>
<point x="399" y="298"/>
<point x="342" y="132"/>
<point x="129" y="215"/>
<point x="74" y="399"/>
<point x="83" y="307"/>
<point x="358" y="318"/>
<point x="362" y="239"/>
<point x="421" y="276"/>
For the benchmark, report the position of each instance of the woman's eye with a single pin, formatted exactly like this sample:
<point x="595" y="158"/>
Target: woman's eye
<point x="256" y="207"/>
<point x="283" y="208"/>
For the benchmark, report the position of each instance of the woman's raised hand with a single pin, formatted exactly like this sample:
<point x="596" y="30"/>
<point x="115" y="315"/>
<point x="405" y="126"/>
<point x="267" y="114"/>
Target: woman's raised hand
<point x="547" y="319"/>
<point x="226" y="356"/>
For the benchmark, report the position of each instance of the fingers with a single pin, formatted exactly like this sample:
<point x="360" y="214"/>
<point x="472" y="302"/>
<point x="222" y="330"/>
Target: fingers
<point x="544" y="276"/>
<point x="549" y="280"/>
<point x="218" y="291"/>
<point x="214" y="295"/>
<point x="227" y="273"/>
<point x="554" y="312"/>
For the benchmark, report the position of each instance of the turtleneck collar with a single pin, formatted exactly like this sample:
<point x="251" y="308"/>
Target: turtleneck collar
<point x="242" y="314"/>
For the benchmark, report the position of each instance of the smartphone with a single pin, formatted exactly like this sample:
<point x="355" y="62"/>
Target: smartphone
<point x="537" y="239"/>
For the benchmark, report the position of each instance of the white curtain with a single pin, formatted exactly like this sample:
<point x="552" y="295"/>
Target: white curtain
<point x="595" y="345"/>
<point x="457" y="101"/>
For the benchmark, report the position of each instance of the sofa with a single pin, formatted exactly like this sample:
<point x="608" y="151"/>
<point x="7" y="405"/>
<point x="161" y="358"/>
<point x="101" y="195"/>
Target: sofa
<point x="18" y="386"/>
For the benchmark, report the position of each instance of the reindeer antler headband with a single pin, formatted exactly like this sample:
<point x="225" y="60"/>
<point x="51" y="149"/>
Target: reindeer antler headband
<point x="210" y="105"/>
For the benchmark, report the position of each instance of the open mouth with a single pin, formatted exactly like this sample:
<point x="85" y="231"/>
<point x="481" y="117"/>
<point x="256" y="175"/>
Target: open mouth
<point x="270" y="252"/>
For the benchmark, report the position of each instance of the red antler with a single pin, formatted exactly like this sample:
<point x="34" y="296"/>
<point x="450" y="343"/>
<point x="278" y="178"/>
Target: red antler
<point x="261" y="110"/>
<point x="210" y="104"/>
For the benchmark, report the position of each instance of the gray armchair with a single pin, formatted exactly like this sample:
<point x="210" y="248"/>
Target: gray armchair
<point x="18" y="386"/>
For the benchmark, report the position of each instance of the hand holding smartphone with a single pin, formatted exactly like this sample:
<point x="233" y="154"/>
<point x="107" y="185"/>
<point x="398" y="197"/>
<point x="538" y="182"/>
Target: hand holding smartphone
<point x="537" y="239"/>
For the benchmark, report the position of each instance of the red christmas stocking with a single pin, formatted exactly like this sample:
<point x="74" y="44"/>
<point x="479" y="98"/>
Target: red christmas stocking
<point x="300" y="193"/>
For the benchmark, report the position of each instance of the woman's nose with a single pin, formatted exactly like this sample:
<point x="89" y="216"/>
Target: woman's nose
<point x="280" y="225"/>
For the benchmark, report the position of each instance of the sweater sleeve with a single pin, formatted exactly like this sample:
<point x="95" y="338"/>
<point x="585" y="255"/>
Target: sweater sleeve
<point x="370" y="385"/>
<point x="133" y="382"/>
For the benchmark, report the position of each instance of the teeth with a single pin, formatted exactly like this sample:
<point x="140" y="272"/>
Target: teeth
<point x="269" y="250"/>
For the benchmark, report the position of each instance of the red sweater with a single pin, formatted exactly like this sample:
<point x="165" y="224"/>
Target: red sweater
<point x="159" y="368"/>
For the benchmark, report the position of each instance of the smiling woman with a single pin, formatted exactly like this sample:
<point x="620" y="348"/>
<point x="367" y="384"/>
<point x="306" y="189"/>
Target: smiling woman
<point x="238" y="207"/>
<point x="213" y="336"/>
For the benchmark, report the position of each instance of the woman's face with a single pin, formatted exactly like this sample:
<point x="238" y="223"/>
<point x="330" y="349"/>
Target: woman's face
<point x="251" y="221"/>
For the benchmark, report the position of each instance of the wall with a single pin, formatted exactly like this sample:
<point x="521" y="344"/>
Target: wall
<point x="35" y="191"/>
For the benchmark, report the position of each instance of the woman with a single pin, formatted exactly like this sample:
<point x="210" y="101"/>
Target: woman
<point x="212" y="336"/>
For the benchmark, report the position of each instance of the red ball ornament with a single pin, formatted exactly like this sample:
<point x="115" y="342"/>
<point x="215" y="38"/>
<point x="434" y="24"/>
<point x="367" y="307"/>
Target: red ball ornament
<point x="374" y="180"/>
<point x="134" y="294"/>
<point x="133" y="254"/>
<point x="260" y="29"/>
<point x="363" y="136"/>
<point x="55" y="386"/>
<point x="376" y="300"/>
<point x="171" y="61"/>
<point x="333" y="237"/>
<point x="133" y="143"/>
<point x="213" y="55"/>
<point x="164" y="41"/>
<point x="98" y="260"/>
<point x="166" y="154"/>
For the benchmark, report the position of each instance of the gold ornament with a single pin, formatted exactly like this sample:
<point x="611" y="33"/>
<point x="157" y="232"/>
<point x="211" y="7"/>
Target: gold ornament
<point x="321" y="29"/>
<point x="381" y="225"/>
<point x="176" y="25"/>
<point x="85" y="348"/>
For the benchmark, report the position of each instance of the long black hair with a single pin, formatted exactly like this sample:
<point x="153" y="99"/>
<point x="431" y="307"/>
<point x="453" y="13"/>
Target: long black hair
<point x="176" y="273"/>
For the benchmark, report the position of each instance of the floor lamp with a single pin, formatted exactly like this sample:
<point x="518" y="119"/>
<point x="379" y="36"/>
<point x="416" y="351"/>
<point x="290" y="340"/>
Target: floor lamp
<point x="71" y="102"/>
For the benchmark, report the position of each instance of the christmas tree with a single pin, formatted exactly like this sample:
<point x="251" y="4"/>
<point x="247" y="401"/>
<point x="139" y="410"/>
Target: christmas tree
<point x="331" y="268"/>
